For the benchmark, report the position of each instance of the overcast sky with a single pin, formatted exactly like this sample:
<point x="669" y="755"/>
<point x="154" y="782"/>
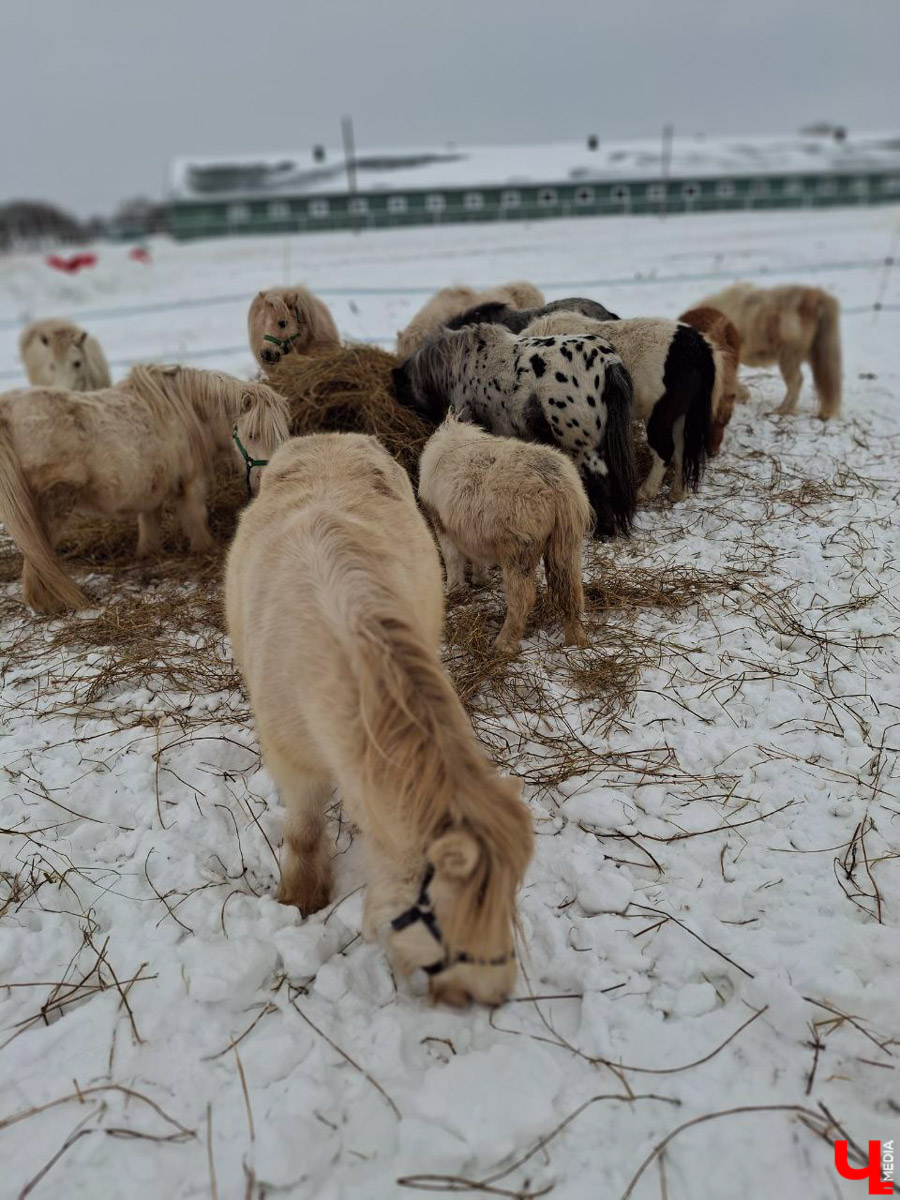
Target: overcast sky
<point x="96" y="96"/>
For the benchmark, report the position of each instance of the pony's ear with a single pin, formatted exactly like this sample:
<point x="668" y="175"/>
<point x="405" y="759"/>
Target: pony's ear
<point x="246" y="402"/>
<point x="81" y="340"/>
<point x="454" y="855"/>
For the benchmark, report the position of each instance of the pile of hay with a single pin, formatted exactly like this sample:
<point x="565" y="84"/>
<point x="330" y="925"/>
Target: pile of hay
<point x="350" y="390"/>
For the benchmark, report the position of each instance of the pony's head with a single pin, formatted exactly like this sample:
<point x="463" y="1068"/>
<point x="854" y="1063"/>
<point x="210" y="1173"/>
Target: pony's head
<point x="285" y="320"/>
<point x="424" y="382"/>
<point x="462" y="928"/>
<point x="720" y="420"/>
<point x="65" y="356"/>
<point x="261" y="427"/>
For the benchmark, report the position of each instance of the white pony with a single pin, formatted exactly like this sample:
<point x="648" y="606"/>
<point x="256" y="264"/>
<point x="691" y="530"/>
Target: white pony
<point x="501" y="500"/>
<point x="121" y="452"/>
<point x="56" y="353"/>
<point x="334" y="607"/>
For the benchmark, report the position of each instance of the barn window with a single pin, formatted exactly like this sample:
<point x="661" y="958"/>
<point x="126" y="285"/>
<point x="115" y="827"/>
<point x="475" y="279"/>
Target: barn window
<point x="473" y="201"/>
<point x="690" y="191"/>
<point x="621" y="192"/>
<point x="793" y="187"/>
<point x="546" y="197"/>
<point x="238" y="214"/>
<point x="724" y="189"/>
<point x="759" y="187"/>
<point x="860" y="187"/>
<point x="435" y="202"/>
<point x="279" y="210"/>
<point x="827" y="187"/>
<point x="396" y="204"/>
<point x="656" y="191"/>
<point x="584" y="195"/>
<point x="318" y="208"/>
<point x="891" y="185"/>
<point x="358" y="204"/>
<point x="511" y="199"/>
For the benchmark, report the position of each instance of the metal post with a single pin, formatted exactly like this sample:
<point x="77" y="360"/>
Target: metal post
<point x="350" y="164"/>
<point x="668" y="134"/>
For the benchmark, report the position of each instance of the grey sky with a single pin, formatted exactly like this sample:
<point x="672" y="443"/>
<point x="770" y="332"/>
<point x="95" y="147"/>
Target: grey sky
<point x="97" y="96"/>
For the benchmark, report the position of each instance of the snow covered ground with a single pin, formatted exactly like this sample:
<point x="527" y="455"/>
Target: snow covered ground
<point x="710" y="921"/>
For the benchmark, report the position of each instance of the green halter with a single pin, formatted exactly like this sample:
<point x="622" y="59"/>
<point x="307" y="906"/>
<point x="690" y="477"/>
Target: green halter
<point x="283" y="344"/>
<point x="249" y="461"/>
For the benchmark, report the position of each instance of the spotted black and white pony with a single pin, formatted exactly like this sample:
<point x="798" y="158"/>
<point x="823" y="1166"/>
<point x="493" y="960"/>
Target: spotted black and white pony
<point x="518" y="319"/>
<point x="571" y="392"/>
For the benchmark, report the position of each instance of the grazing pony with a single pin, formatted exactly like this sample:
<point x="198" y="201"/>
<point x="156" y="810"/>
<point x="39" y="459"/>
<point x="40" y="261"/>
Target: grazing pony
<point x="450" y="301"/>
<point x="495" y="312"/>
<point x="788" y="325"/>
<point x="499" y="500"/>
<point x="122" y="452"/>
<point x="720" y="331"/>
<point x="677" y="376"/>
<point x="334" y="607"/>
<point x="285" y="319"/>
<point x="572" y="392"/>
<point x="58" y="354"/>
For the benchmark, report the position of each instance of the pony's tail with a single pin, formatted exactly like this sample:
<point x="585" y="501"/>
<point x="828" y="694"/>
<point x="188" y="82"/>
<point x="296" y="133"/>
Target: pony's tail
<point x="618" y="395"/>
<point x="46" y="587"/>
<point x="708" y="386"/>
<point x="825" y="357"/>
<point x="562" y="557"/>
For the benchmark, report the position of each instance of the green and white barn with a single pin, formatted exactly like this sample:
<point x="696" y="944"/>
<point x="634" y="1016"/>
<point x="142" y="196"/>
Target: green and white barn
<point x="298" y="192"/>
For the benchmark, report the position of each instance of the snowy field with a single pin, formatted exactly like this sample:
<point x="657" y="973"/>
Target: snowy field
<point x="710" y="944"/>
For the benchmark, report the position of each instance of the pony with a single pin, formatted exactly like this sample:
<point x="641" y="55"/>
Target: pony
<point x="720" y="331"/>
<point x="122" y="451"/>
<point x="496" y="312"/>
<point x="677" y="377"/>
<point x="496" y="500"/>
<point x="285" y="319"/>
<point x="450" y="301"/>
<point x="56" y="353"/>
<point x="788" y="325"/>
<point x="571" y="392"/>
<point x="334" y="605"/>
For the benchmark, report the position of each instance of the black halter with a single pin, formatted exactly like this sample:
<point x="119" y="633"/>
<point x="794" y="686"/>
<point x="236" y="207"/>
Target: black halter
<point x="423" y="911"/>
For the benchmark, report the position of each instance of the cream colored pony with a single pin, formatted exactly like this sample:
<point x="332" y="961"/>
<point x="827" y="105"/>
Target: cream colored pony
<point x="333" y="602"/>
<point x="500" y="500"/>
<point x="122" y="452"/>
<point x="58" y="354"/>
<point x="788" y="325"/>
<point x="285" y="319"/>
<point x="449" y="302"/>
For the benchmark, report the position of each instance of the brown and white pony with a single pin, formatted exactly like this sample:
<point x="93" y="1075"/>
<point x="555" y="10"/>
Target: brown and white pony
<point x="282" y="320"/>
<point x="334" y="606"/>
<point x="449" y="302"/>
<point x="58" y="354"/>
<point x="502" y="501"/>
<point x="121" y="452"/>
<point x="722" y="333"/>
<point x="788" y="325"/>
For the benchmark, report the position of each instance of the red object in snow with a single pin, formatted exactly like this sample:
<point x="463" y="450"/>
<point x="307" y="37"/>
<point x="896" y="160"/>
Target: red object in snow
<point x="140" y="254"/>
<point x="72" y="264"/>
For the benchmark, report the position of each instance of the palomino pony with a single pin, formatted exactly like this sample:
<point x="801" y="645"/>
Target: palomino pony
<point x="449" y="302"/>
<point x="334" y="607"/>
<point x="720" y="331"/>
<point x="122" y="452"/>
<point x="788" y="325"/>
<point x="678" y="379"/>
<point x="285" y="319"/>
<point x="572" y="392"/>
<point x="504" y="501"/>
<point x="57" y="354"/>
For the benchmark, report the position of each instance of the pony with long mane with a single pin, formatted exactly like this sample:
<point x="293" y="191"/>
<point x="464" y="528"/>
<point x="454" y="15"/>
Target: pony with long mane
<point x="571" y="392"/>
<point x="121" y="452"/>
<point x="334" y="605"/>
<point x="496" y="500"/>
<point x="282" y="320"/>
<point x="449" y="302"/>
<point x="678" y="381"/>
<point x="788" y="325"/>
<point x="720" y="331"/>
<point x="497" y="312"/>
<point x="58" y="354"/>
